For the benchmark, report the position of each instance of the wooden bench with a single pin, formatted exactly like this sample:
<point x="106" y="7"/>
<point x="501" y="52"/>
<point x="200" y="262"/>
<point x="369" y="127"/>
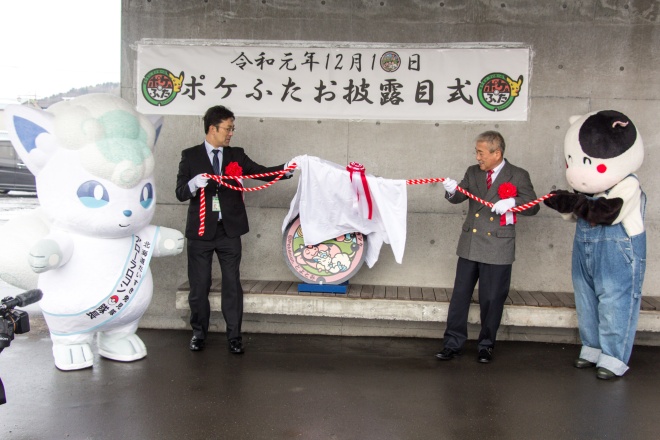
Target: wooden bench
<point x="406" y="303"/>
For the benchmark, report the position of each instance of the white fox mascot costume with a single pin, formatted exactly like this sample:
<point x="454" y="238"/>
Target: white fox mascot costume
<point x="90" y="241"/>
<point x="602" y="150"/>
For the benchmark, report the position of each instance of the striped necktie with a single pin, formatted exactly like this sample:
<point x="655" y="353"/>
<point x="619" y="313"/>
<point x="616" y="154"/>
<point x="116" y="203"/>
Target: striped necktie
<point x="489" y="179"/>
<point x="216" y="162"/>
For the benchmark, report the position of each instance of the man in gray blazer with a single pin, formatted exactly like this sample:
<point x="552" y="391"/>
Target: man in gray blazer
<point x="486" y="247"/>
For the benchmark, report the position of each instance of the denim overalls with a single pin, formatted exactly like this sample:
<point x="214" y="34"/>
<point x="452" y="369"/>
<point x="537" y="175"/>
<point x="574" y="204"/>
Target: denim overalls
<point x="608" y="271"/>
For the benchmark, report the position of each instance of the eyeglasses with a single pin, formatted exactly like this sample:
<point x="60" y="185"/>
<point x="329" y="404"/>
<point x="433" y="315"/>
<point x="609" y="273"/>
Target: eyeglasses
<point x="231" y="129"/>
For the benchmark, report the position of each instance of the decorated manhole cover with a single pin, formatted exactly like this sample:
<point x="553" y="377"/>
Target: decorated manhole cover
<point x="331" y="262"/>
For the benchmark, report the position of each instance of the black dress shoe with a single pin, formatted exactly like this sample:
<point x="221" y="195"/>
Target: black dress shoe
<point x="447" y="354"/>
<point x="583" y="363"/>
<point x="485" y="355"/>
<point x="236" y="347"/>
<point x="604" y="373"/>
<point x="197" y="344"/>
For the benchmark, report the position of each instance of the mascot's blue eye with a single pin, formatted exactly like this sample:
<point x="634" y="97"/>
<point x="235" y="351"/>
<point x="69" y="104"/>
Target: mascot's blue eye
<point x="147" y="195"/>
<point x="93" y="195"/>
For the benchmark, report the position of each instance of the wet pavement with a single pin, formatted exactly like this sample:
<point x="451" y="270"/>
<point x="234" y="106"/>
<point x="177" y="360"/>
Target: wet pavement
<point x="324" y="387"/>
<point x="16" y="203"/>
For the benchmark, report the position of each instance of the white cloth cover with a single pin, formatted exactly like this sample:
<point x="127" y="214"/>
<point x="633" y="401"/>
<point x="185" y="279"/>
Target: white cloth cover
<point x="327" y="205"/>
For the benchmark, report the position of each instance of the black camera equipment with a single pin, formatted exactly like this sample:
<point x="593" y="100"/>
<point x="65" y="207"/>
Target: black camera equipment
<point x="14" y="322"/>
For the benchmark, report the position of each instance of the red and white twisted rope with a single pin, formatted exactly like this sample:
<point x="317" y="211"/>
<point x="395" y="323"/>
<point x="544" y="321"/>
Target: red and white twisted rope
<point x="219" y="179"/>
<point x="473" y="197"/>
<point x="281" y="173"/>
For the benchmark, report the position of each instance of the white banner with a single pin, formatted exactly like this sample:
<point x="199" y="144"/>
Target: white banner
<point x="284" y="79"/>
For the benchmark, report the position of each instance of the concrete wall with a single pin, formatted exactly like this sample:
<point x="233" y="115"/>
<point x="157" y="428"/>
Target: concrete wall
<point x="587" y="55"/>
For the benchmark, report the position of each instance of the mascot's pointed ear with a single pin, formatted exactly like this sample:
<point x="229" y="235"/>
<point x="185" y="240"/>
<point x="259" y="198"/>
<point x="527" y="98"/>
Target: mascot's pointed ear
<point x="30" y="132"/>
<point x="574" y="118"/>
<point x="157" y="122"/>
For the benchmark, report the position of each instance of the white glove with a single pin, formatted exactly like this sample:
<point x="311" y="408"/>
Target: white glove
<point x="200" y="181"/>
<point x="295" y="160"/>
<point x="450" y="185"/>
<point x="504" y="205"/>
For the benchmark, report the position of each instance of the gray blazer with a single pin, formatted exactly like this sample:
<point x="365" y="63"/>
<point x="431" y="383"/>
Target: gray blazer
<point x="483" y="239"/>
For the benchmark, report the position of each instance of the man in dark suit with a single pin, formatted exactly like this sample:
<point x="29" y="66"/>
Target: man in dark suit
<point x="225" y="221"/>
<point x="486" y="247"/>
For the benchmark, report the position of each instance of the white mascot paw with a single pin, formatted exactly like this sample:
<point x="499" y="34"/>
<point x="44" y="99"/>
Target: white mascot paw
<point x="73" y="356"/>
<point x="170" y="242"/>
<point x="121" y="347"/>
<point x="45" y="255"/>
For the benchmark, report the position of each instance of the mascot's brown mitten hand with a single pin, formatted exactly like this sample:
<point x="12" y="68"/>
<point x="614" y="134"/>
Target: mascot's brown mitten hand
<point x="600" y="211"/>
<point x="563" y="201"/>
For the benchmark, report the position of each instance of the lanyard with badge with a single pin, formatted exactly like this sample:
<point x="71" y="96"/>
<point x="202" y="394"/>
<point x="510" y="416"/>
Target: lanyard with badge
<point x="216" y="202"/>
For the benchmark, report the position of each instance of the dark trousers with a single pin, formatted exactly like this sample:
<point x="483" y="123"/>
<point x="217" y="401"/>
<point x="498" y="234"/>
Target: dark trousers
<point x="200" y="263"/>
<point x="494" y="281"/>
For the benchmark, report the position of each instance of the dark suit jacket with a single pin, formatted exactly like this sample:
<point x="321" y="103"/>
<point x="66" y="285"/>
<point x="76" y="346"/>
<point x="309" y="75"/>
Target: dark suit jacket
<point x="195" y="161"/>
<point x="482" y="238"/>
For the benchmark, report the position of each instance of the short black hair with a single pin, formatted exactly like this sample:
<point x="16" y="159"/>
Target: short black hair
<point x="216" y="115"/>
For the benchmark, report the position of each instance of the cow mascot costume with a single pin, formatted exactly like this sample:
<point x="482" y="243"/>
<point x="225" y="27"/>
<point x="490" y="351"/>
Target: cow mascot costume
<point x="602" y="151"/>
<point x="91" y="240"/>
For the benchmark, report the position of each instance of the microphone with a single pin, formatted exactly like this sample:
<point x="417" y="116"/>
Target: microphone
<point x="22" y="300"/>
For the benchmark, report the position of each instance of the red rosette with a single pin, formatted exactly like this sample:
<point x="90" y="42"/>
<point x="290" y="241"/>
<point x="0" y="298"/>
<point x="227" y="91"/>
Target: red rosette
<point x="507" y="190"/>
<point x="233" y="169"/>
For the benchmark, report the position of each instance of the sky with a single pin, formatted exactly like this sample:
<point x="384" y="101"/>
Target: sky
<point x="51" y="46"/>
